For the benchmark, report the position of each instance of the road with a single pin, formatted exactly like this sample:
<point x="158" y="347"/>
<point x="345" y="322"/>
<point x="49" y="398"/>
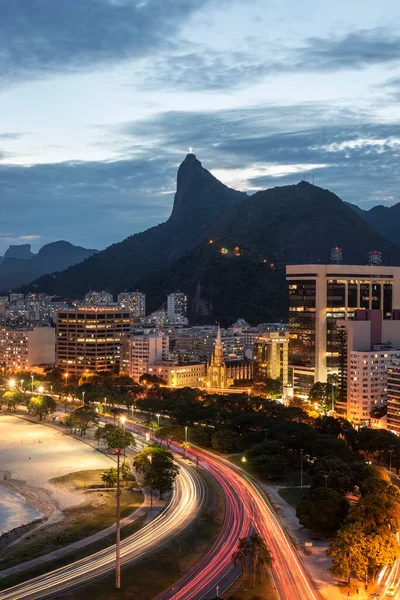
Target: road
<point x="246" y="509"/>
<point x="187" y="498"/>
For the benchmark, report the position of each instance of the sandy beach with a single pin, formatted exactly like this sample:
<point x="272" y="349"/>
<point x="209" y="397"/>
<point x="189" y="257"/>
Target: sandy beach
<point x="31" y="454"/>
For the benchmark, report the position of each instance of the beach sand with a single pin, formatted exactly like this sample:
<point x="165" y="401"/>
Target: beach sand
<point x="31" y="454"/>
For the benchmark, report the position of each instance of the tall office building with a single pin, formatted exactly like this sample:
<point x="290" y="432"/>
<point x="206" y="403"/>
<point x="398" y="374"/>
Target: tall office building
<point x="135" y="302"/>
<point x="319" y="295"/>
<point x="176" y="304"/>
<point x="89" y="338"/>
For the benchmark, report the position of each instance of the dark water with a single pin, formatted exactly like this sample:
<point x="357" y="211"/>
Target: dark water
<point x="14" y="511"/>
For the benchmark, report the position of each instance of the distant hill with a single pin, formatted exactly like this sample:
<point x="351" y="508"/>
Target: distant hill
<point x="384" y="219"/>
<point x="200" y="200"/>
<point x="20" y="266"/>
<point x="227" y="250"/>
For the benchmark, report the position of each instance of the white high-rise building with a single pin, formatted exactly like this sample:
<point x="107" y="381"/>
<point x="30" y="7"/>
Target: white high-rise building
<point x="133" y="301"/>
<point x="23" y="348"/>
<point x="367" y="346"/>
<point x="98" y="298"/>
<point x="176" y="304"/>
<point x="139" y="353"/>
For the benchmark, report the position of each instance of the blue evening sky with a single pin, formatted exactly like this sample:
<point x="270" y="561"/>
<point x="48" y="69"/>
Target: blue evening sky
<point x="100" y="99"/>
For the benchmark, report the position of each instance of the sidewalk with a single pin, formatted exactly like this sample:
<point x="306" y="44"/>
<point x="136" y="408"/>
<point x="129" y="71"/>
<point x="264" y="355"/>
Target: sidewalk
<point x="316" y="563"/>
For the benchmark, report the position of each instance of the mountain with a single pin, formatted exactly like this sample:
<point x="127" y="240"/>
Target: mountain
<point x="384" y="219"/>
<point x="227" y="250"/>
<point x="200" y="201"/>
<point x="23" y="252"/>
<point x="20" y="266"/>
<point x="241" y="273"/>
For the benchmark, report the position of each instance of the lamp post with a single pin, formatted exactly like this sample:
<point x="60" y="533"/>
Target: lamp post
<point x="51" y="389"/>
<point x="326" y="480"/>
<point x="22" y="384"/>
<point x="83" y="397"/>
<point x="301" y="468"/>
<point x="11" y="383"/>
<point x="151" y="482"/>
<point x="105" y="404"/>
<point x="158" y="419"/>
<point x="40" y="389"/>
<point x="118" y="518"/>
<point x="217" y="590"/>
<point x="32" y="382"/>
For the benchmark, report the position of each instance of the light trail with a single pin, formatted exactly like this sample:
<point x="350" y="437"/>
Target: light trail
<point x="187" y="499"/>
<point x="245" y="509"/>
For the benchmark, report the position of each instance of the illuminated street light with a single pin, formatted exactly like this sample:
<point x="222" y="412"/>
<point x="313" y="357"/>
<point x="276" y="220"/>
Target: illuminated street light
<point x="40" y="389"/>
<point x="158" y="418"/>
<point x="243" y="459"/>
<point x="22" y="384"/>
<point x="11" y="383"/>
<point x="32" y="383"/>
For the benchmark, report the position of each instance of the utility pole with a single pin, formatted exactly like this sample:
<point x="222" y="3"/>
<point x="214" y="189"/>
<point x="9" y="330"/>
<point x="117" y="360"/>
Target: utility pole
<point x="118" y="519"/>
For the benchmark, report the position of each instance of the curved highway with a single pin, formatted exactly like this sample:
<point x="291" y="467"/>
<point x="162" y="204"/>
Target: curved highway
<point x="187" y="498"/>
<point x="245" y="509"/>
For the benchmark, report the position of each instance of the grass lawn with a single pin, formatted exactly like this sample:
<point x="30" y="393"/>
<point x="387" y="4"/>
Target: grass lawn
<point x="292" y="475"/>
<point x="148" y="578"/>
<point x="243" y="589"/>
<point x="96" y="512"/>
<point x="293" y="495"/>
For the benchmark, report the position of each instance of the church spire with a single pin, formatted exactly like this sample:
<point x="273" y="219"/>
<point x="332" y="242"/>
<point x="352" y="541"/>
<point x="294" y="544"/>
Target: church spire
<point x="218" y="349"/>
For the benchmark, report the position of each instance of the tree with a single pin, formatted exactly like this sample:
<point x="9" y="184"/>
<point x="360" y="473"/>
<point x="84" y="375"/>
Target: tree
<point x="348" y="553"/>
<point x="270" y="467"/>
<point x="13" y="398"/>
<point x="260" y="556"/>
<point x="378" y="508"/>
<point x="156" y="464"/>
<point x="323" y="394"/>
<point x="41" y="406"/>
<point x="382" y="550"/>
<point x="147" y="378"/>
<point x="81" y="419"/>
<point x="249" y="439"/>
<point x="334" y="473"/>
<point x="110" y="477"/>
<point x="223" y="440"/>
<point x="117" y="437"/>
<point x="171" y="433"/>
<point x="322" y="510"/>
<point x="242" y="553"/>
<point x="273" y="388"/>
<point x="200" y="436"/>
<point x="126" y="472"/>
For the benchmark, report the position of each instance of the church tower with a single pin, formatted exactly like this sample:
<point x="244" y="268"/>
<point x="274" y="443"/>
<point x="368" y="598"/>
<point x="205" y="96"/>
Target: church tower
<point x="216" y="375"/>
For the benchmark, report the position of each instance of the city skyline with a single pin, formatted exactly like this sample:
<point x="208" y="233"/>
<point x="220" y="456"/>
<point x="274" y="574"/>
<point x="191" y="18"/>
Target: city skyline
<point x="266" y="94"/>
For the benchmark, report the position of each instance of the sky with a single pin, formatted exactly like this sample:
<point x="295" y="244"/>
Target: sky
<point x="100" y="100"/>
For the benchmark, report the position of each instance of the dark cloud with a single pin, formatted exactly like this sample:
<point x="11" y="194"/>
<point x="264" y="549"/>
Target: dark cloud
<point x="356" y="50"/>
<point x="42" y="36"/>
<point x="202" y="69"/>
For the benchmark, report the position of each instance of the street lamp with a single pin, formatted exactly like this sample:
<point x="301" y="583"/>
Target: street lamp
<point x="158" y="418"/>
<point x="243" y="459"/>
<point x="83" y="397"/>
<point x="40" y="389"/>
<point x="51" y="389"/>
<point x="66" y="375"/>
<point x="326" y="480"/>
<point x="301" y="468"/>
<point x="32" y="383"/>
<point x="22" y="384"/>
<point x="11" y="383"/>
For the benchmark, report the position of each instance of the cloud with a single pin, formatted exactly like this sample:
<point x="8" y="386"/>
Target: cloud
<point x="205" y="69"/>
<point x="39" y="37"/>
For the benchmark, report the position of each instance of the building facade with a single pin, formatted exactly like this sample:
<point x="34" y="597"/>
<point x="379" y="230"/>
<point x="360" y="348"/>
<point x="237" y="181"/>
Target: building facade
<point x="176" y="304"/>
<point x="139" y="353"/>
<point x="320" y="295"/>
<point x="135" y="302"/>
<point x="21" y="349"/>
<point x="98" y="298"/>
<point x="222" y="373"/>
<point x="180" y="375"/>
<point x="393" y="397"/>
<point x="89" y="339"/>
<point x="271" y="357"/>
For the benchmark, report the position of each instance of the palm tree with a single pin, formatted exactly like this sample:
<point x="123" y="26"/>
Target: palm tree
<point x="242" y="553"/>
<point x="260" y="556"/>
